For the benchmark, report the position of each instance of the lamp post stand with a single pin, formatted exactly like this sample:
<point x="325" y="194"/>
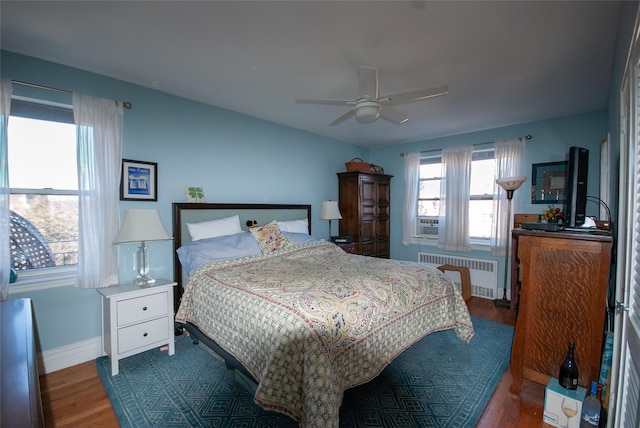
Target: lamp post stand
<point x="510" y="185"/>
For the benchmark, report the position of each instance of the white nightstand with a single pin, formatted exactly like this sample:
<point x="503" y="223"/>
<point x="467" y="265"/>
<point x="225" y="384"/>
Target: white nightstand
<point x="136" y="319"/>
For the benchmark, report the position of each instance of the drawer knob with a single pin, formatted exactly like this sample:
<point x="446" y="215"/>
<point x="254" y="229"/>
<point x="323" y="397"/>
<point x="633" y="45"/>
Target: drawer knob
<point x="145" y="335"/>
<point x="144" y="309"/>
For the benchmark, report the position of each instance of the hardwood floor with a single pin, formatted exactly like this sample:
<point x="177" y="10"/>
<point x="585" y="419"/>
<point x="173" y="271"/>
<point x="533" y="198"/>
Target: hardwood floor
<point x="504" y="409"/>
<point x="75" y="397"/>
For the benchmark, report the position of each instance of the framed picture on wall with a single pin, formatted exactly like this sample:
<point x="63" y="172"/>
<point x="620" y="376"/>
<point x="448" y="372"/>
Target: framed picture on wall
<point x="549" y="182"/>
<point x="139" y="181"/>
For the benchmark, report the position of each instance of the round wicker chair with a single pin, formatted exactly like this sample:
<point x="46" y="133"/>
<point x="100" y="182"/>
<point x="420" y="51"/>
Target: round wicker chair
<point x="29" y="249"/>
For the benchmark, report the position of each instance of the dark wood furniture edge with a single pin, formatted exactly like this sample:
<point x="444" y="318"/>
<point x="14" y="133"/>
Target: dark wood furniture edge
<point x="376" y="174"/>
<point x="20" y="401"/>
<point x="515" y="280"/>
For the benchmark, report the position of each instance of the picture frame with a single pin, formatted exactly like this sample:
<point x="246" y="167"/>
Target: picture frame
<point x="549" y="182"/>
<point x="139" y="181"/>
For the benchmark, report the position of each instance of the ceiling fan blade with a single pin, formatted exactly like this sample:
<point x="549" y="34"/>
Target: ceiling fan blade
<point x="324" y="102"/>
<point x="417" y="95"/>
<point x="343" y="117"/>
<point x="368" y="83"/>
<point x="393" y="115"/>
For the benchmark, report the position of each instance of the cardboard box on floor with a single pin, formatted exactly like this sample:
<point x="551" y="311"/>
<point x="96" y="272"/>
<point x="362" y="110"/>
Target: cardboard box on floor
<point x="555" y="398"/>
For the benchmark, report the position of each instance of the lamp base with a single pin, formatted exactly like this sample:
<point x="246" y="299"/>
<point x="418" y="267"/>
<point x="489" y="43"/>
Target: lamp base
<point x="144" y="281"/>
<point x="502" y="303"/>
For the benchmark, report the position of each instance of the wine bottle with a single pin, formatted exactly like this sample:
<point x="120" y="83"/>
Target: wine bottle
<point x="591" y="409"/>
<point x="569" y="370"/>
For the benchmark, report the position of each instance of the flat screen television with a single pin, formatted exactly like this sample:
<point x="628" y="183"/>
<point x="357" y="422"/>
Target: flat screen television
<point x="576" y="196"/>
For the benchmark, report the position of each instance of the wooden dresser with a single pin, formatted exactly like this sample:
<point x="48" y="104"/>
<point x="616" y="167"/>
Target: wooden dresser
<point x="563" y="298"/>
<point x="364" y="204"/>
<point x="20" y="404"/>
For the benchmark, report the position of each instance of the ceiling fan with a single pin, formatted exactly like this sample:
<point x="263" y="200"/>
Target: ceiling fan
<point x="368" y="106"/>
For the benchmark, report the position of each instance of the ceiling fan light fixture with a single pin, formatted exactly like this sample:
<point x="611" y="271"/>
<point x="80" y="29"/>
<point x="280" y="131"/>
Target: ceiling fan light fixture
<point x="367" y="111"/>
<point x="367" y="105"/>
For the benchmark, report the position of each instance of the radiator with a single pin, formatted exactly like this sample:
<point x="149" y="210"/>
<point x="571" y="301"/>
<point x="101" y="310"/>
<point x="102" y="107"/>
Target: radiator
<point x="484" y="273"/>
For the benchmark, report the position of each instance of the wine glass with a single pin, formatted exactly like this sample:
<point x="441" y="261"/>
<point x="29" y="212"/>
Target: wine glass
<point x="569" y="408"/>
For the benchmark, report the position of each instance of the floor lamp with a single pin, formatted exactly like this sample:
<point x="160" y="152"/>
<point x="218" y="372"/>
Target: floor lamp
<point x="510" y="185"/>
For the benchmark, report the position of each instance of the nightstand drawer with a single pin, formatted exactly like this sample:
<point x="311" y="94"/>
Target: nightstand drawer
<point x="139" y="335"/>
<point x="141" y="308"/>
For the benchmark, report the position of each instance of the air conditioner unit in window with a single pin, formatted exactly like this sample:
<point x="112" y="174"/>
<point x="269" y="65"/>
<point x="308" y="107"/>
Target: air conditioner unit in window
<point x="428" y="226"/>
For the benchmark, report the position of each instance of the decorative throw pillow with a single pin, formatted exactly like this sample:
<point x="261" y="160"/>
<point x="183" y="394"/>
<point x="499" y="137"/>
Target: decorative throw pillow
<point x="269" y="237"/>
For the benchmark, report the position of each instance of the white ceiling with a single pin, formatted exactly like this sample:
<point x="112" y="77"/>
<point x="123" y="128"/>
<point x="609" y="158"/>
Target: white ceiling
<point x="505" y="62"/>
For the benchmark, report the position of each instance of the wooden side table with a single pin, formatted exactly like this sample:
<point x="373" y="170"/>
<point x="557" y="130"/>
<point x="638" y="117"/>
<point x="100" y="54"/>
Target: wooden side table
<point x="465" y="278"/>
<point x="136" y="319"/>
<point x="563" y="298"/>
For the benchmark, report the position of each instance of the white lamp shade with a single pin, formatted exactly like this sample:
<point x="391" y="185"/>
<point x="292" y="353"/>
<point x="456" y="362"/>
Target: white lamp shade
<point x="330" y="211"/>
<point x="511" y="183"/>
<point x="141" y="225"/>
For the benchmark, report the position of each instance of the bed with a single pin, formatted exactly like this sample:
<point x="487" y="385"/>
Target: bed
<point x="300" y="317"/>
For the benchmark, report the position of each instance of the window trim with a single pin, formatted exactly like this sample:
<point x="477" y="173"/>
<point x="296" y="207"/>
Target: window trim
<point x="43" y="279"/>
<point x="43" y="191"/>
<point x="432" y="241"/>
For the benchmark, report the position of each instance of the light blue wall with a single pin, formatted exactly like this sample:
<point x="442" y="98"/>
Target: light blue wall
<point x="550" y="143"/>
<point x="235" y="158"/>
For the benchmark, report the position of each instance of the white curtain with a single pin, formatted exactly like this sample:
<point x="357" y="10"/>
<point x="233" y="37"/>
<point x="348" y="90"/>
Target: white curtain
<point x="409" y="212"/>
<point x="453" y="221"/>
<point x="508" y="155"/>
<point x="5" y="251"/>
<point x="99" y="139"/>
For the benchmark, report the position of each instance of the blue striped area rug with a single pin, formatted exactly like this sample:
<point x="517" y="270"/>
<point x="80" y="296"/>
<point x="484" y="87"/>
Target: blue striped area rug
<point x="438" y="382"/>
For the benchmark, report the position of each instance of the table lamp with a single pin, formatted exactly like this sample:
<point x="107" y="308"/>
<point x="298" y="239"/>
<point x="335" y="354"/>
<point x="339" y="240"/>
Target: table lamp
<point x="330" y="211"/>
<point x="142" y="225"/>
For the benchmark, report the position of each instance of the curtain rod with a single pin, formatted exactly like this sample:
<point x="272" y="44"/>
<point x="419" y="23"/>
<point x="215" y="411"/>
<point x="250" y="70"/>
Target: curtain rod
<point x="125" y="104"/>
<point x="526" y="137"/>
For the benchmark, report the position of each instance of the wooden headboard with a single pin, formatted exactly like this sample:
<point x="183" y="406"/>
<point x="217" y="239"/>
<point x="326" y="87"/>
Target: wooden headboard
<point x="188" y="212"/>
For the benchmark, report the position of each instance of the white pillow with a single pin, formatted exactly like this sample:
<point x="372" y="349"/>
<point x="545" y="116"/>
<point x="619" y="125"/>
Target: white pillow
<point x="213" y="228"/>
<point x="294" y="226"/>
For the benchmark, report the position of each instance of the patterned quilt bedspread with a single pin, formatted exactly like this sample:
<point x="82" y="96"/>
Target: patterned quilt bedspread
<point x="309" y="321"/>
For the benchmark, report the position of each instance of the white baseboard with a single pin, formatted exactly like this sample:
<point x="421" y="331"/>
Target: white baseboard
<point x="62" y="357"/>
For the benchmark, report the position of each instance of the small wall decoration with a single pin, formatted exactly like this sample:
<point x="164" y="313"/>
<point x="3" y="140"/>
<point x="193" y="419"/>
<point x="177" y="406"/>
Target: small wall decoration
<point x="194" y="194"/>
<point x="139" y="181"/>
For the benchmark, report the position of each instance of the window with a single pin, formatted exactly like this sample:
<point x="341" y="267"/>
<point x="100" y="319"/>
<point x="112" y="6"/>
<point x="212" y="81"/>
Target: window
<point x="43" y="184"/>
<point x="481" y="199"/>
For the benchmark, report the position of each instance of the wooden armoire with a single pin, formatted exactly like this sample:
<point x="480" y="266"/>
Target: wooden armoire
<point x="364" y="201"/>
